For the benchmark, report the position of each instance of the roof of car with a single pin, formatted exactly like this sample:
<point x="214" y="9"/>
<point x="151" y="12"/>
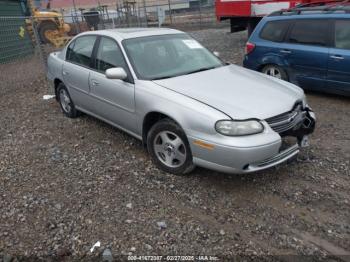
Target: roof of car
<point x="307" y="16"/>
<point x="126" y="33"/>
<point x="340" y="9"/>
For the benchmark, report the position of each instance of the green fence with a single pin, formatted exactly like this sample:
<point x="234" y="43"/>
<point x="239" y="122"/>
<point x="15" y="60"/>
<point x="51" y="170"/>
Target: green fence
<point x="15" y="41"/>
<point x="11" y="8"/>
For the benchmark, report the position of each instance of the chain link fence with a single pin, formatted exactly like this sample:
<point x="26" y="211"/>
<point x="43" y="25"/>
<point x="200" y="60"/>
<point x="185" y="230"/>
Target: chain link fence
<point x="26" y="42"/>
<point x="15" y="40"/>
<point x="21" y="57"/>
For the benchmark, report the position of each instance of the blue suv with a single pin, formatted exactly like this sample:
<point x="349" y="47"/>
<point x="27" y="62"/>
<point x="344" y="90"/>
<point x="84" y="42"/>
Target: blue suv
<point x="309" y="47"/>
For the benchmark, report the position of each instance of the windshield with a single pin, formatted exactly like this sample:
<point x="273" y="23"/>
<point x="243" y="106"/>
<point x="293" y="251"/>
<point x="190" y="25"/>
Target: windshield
<point x="165" y="56"/>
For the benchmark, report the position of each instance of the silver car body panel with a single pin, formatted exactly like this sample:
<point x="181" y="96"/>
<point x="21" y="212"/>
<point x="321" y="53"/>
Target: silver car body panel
<point x="196" y="102"/>
<point x="220" y="88"/>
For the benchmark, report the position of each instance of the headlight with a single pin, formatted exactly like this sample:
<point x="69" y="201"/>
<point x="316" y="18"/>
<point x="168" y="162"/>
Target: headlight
<point x="238" y="128"/>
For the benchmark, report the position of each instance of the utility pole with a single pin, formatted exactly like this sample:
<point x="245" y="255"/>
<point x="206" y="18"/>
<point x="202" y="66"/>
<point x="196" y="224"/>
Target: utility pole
<point x="145" y="11"/>
<point x="171" y="16"/>
<point x="75" y="17"/>
<point x="74" y="7"/>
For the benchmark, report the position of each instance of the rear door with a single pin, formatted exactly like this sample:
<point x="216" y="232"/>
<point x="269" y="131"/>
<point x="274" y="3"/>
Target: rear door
<point x="76" y="70"/>
<point x="307" y="52"/>
<point x="114" y="99"/>
<point x="339" y="58"/>
<point x="272" y="35"/>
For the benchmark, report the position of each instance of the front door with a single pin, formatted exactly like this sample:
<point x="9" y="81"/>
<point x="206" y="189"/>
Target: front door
<point x="339" y="59"/>
<point x="114" y="99"/>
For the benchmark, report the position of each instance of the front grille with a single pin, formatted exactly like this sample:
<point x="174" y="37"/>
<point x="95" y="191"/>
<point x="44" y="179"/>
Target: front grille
<point x="286" y="121"/>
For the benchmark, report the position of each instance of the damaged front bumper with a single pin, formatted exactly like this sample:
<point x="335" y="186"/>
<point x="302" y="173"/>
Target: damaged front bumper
<point x="295" y="126"/>
<point x="296" y="123"/>
<point x="305" y="125"/>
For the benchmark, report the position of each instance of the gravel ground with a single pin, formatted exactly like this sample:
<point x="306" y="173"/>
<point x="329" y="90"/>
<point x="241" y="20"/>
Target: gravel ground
<point x="68" y="183"/>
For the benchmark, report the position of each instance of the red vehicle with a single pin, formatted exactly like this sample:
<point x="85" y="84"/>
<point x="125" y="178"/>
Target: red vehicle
<point x="246" y="14"/>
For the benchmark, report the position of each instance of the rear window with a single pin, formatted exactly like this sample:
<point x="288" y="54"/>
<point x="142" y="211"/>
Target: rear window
<point x="309" y="32"/>
<point x="342" y="34"/>
<point x="274" y="31"/>
<point x="80" y="51"/>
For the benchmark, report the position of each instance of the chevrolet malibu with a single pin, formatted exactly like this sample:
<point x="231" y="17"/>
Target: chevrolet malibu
<point x="187" y="106"/>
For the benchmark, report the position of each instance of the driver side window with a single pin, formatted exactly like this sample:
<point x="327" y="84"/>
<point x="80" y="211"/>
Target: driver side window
<point x="109" y="55"/>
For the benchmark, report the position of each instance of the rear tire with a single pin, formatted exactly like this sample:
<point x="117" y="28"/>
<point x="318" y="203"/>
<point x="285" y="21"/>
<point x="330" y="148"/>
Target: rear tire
<point x="46" y="26"/>
<point x="275" y="71"/>
<point x="169" y="148"/>
<point x="65" y="101"/>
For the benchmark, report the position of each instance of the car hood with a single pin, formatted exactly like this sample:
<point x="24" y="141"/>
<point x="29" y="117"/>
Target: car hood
<point x="238" y="92"/>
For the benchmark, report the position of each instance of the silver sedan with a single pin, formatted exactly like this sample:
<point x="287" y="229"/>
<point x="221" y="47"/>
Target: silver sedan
<point x="187" y="106"/>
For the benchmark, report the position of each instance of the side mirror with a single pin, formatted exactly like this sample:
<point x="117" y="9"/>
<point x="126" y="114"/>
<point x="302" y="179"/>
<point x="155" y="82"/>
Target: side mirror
<point x="116" y="73"/>
<point x="216" y="53"/>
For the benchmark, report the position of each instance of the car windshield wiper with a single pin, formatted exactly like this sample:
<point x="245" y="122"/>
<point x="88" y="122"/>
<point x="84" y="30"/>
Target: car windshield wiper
<point x="162" y="77"/>
<point x="200" y="70"/>
<point x="192" y="72"/>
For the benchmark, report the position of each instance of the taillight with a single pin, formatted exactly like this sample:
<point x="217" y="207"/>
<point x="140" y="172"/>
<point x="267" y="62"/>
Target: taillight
<point x="249" y="48"/>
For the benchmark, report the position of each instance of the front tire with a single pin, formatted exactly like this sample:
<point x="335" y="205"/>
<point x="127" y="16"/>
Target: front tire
<point x="65" y="101"/>
<point x="275" y="71"/>
<point x="169" y="148"/>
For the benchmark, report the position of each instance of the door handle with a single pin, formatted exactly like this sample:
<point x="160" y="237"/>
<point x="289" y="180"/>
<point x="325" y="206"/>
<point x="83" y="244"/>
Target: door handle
<point x="338" y="57"/>
<point x="65" y="73"/>
<point x="95" y="83"/>
<point x="285" y="51"/>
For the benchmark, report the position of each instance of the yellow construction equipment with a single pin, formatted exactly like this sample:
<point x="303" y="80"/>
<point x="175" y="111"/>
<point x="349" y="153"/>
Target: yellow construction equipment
<point x="50" y="26"/>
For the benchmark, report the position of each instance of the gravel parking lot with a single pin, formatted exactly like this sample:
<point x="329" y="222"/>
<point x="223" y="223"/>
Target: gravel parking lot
<point x="68" y="183"/>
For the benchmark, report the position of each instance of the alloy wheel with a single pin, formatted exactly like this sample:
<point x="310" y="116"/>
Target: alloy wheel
<point x="273" y="71"/>
<point x="169" y="149"/>
<point x="65" y="101"/>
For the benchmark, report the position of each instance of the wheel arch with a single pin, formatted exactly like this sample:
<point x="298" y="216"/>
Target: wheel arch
<point x="56" y="82"/>
<point x="150" y="119"/>
<point x="272" y="60"/>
